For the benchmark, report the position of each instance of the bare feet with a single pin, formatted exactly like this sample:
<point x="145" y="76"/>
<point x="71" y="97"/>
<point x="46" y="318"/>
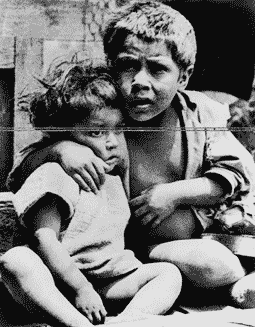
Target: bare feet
<point x="243" y="292"/>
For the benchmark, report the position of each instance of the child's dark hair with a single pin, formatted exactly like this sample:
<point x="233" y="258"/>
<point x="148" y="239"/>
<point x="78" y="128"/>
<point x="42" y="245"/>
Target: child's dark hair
<point x="242" y="122"/>
<point x="71" y="92"/>
<point x="151" y="21"/>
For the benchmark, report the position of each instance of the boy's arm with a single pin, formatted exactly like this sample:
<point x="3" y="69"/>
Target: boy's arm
<point x="45" y="225"/>
<point x="227" y="159"/>
<point x="230" y="171"/>
<point x="77" y="160"/>
<point x="160" y="201"/>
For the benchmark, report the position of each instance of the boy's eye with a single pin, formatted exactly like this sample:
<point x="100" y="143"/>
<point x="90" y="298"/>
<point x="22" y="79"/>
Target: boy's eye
<point x="156" y="68"/>
<point x="125" y="64"/>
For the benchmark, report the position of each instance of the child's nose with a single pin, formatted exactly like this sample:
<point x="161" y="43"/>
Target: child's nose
<point x="112" y="141"/>
<point x="141" y="81"/>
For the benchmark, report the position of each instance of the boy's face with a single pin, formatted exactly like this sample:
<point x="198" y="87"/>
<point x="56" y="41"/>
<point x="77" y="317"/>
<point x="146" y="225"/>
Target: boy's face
<point x="148" y="77"/>
<point x="104" y="136"/>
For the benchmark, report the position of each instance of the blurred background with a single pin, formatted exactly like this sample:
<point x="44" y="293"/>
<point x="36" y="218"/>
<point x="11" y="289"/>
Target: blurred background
<point x="34" y="32"/>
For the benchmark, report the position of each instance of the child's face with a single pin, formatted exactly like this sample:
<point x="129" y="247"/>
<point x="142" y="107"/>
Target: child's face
<point x="104" y="136"/>
<point x="148" y="77"/>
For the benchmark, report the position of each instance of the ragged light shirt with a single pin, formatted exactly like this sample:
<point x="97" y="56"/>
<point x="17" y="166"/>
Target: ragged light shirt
<point x="93" y="233"/>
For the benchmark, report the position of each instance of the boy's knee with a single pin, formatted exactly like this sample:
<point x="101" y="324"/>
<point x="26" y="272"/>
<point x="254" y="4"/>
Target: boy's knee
<point x="206" y="264"/>
<point x="222" y="267"/>
<point x="18" y="260"/>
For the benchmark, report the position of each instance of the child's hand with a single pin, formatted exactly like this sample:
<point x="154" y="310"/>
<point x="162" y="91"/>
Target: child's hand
<point x="81" y="164"/>
<point x="90" y="304"/>
<point x="154" y="204"/>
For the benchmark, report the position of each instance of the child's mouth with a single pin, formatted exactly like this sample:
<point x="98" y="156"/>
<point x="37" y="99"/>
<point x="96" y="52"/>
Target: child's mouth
<point x="112" y="160"/>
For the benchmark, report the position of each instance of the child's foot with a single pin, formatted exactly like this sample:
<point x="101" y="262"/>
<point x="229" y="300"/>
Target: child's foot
<point x="243" y="292"/>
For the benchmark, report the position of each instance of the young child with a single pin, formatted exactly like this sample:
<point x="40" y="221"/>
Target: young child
<point x="70" y="261"/>
<point x="242" y="123"/>
<point x="184" y="163"/>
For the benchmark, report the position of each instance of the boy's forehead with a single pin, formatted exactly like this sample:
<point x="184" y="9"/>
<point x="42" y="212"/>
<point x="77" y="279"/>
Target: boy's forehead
<point x="137" y="46"/>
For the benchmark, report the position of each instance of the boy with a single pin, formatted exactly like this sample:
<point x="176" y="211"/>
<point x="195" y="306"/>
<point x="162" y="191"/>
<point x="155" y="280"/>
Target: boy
<point x="180" y="172"/>
<point x="69" y="260"/>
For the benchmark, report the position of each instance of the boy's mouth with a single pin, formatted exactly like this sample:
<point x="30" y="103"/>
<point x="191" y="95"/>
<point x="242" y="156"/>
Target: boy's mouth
<point x="141" y="103"/>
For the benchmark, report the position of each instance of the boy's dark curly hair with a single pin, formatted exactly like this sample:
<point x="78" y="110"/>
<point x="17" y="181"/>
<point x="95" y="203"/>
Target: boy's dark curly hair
<point x="69" y="92"/>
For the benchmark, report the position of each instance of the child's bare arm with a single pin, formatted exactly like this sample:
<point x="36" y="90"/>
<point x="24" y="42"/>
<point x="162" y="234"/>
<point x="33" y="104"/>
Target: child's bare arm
<point x="46" y="227"/>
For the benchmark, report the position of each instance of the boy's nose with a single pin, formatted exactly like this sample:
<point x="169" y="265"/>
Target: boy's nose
<point x="141" y="81"/>
<point x="112" y="141"/>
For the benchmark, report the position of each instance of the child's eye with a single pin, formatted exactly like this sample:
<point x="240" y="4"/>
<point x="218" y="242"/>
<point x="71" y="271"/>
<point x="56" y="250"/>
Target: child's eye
<point x="119" y="129"/>
<point x="96" y="133"/>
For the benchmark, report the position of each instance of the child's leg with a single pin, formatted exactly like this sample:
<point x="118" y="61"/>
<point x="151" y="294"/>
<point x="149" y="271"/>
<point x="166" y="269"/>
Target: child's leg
<point x="153" y="289"/>
<point x="206" y="263"/>
<point x="31" y="284"/>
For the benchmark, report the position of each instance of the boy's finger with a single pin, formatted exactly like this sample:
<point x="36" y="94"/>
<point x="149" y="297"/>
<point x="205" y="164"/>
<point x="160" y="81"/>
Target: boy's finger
<point x="93" y="174"/>
<point x="81" y="182"/>
<point x="136" y="201"/>
<point x="101" y="170"/>
<point x="89" y="181"/>
<point x="141" y="211"/>
<point x="147" y="219"/>
<point x="157" y="222"/>
<point x="106" y="167"/>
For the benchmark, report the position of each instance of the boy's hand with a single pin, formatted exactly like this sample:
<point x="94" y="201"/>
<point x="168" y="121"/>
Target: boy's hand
<point x="80" y="162"/>
<point x="89" y="303"/>
<point x="154" y="204"/>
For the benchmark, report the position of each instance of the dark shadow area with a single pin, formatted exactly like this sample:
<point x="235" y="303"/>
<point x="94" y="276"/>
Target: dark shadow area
<point x="225" y="32"/>
<point x="7" y="81"/>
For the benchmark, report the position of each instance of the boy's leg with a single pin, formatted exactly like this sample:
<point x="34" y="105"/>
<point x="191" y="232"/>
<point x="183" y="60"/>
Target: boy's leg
<point x="181" y="224"/>
<point x="152" y="288"/>
<point x="206" y="263"/>
<point x="31" y="284"/>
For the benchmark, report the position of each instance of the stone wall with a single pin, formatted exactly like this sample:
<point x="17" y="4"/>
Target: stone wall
<point x="39" y="31"/>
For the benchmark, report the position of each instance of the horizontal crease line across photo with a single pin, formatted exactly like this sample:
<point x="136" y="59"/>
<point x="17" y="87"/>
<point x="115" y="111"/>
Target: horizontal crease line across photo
<point x="127" y="128"/>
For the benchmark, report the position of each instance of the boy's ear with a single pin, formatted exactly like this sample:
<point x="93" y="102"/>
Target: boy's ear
<point x="184" y="77"/>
